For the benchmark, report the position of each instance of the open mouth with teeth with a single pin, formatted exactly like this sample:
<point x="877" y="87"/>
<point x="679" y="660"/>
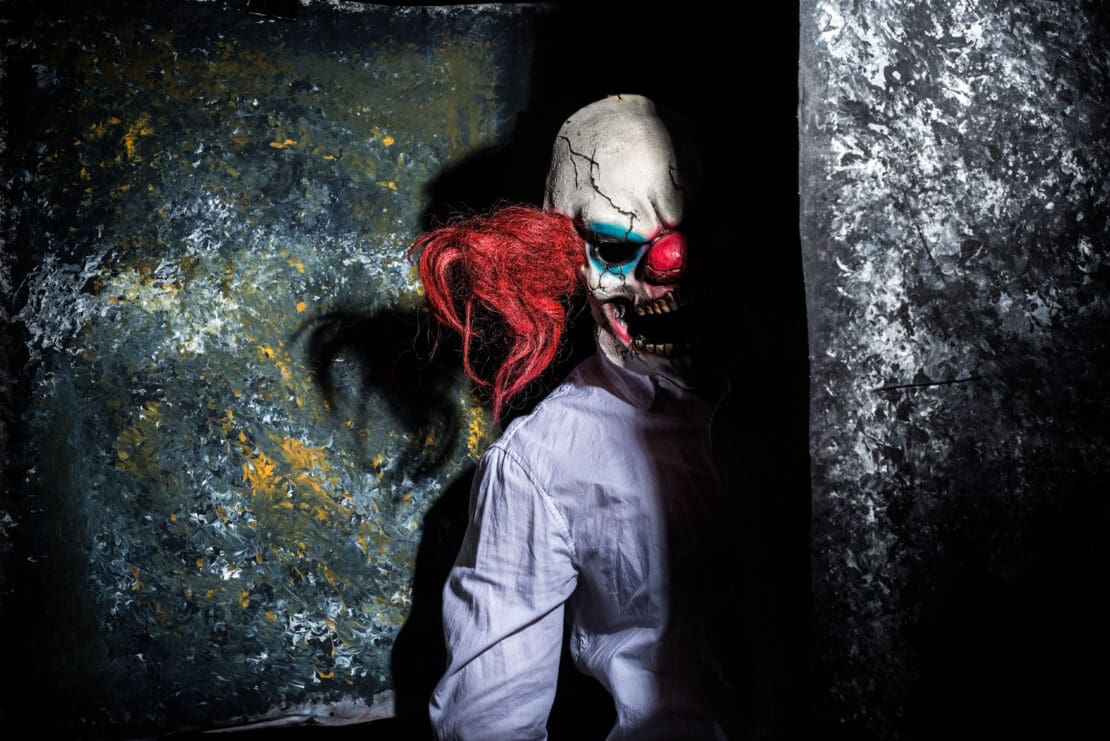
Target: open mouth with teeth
<point x="662" y="327"/>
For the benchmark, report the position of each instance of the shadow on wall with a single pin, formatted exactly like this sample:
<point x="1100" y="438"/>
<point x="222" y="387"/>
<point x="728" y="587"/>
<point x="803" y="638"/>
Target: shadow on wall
<point x="388" y="353"/>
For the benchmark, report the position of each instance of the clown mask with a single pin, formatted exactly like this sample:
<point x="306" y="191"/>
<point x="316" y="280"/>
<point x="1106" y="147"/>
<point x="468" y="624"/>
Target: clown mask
<point x="616" y="172"/>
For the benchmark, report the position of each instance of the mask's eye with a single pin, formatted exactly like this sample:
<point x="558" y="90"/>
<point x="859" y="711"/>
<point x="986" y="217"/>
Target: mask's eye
<point x="611" y="248"/>
<point x="615" y="254"/>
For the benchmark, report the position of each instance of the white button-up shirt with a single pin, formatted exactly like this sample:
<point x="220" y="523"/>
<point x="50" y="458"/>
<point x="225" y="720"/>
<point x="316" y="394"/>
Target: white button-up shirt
<point x="589" y="504"/>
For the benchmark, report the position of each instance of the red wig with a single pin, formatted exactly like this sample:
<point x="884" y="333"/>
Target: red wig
<point x="519" y="264"/>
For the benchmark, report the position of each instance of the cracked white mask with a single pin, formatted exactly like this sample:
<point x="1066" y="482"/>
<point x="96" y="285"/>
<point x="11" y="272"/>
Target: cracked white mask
<point x="615" y="170"/>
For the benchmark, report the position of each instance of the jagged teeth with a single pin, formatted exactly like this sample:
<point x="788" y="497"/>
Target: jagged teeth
<point x="662" y="305"/>
<point x="666" y="349"/>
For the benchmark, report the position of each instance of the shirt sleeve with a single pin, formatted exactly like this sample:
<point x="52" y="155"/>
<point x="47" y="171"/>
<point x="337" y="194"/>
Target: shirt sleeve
<point x="503" y="609"/>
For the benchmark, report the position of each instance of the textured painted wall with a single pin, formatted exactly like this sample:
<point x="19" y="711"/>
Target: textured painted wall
<point x="221" y="441"/>
<point x="955" y="199"/>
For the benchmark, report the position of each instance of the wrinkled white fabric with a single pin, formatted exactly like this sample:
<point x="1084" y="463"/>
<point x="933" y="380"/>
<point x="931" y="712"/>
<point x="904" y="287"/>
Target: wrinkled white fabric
<point x="579" y="507"/>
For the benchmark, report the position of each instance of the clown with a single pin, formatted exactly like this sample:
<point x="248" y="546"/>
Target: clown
<point x="615" y="172"/>
<point x="594" y="508"/>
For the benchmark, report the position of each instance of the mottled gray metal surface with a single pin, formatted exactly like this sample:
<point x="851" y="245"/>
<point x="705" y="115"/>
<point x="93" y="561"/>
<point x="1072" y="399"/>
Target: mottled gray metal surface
<point x="219" y="442"/>
<point x="955" y="175"/>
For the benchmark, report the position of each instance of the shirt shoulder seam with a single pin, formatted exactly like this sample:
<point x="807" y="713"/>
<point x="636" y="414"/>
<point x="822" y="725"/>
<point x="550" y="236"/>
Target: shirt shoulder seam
<point x="546" y="498"/>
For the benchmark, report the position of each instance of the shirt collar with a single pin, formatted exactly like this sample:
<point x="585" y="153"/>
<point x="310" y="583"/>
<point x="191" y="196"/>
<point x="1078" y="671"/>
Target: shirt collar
<point x="635" y="388"/>
<point x="651" y="393"/>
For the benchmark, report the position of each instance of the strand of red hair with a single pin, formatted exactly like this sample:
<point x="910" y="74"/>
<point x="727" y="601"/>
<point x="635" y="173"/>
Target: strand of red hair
<point x="518" y="263"/>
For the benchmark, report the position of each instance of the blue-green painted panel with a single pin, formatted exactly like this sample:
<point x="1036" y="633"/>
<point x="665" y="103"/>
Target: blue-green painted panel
<point x="216" y="486"/>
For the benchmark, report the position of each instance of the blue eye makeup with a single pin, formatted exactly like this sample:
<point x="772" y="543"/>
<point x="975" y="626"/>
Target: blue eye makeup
<point x="613" y="248"/>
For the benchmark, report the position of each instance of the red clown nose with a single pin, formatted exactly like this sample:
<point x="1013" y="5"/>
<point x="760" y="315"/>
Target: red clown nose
<point x="666" y="259"/>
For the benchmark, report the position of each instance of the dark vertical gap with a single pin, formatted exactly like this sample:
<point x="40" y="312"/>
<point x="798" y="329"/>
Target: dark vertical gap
<point x="737" y="85"/>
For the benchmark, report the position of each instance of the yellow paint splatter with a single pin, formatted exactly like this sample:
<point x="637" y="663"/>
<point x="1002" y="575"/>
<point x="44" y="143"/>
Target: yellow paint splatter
<point x="477" y="431"/>
<point x="329" y="575"/>
<point x="259" y="474"/>
<point x="387" y="140"/>
<point x="301" y="306"/>
<point x="265" y="352"/>
<point x="300" y="456"/>
<point x="325" y="675"/>
<point x="270" y="616"/>
<point x="244" y="598"/>
<point x="138" y="447"/>
<point x="138" y="129"/>
<point x="200" y="563"/>
<point x="100" y="129"/>
<point x="329" y="156"/>
<point x="297" y="263"/>
<point x="283" y="144"/>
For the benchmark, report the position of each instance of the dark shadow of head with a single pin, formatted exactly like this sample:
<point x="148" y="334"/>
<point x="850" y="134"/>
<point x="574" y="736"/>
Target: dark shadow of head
<point x="369" y="362"/>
